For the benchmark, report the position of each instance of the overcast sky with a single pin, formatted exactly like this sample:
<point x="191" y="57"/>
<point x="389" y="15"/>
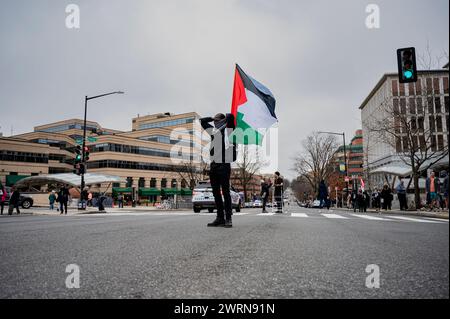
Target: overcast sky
<point x="317" y="57"/>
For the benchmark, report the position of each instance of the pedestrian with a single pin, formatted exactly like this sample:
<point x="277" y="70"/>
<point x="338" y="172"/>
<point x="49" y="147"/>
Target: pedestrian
<point x="445" y="189"/>
<point x="14" y="201"/>
<point x="222" y="154"/>
<point x="52" y="200"/>
<point x="3" y="195"/>
<point x="323" y="193"/>
<point x="278" y="192"/>
<point x="89" y="202"/>
<point x="349" y="200"/>
<point x="386" y="197"/>
<point x="401" y="194"/>
<point x="361" y="201"/>
<point x="432" y="189"/>
<point x="355" y="200"/>
<point x="120" y="200"/>
<point x="376" y="200"/>
<point x="265" y="191"/>
<point x="63" y="199"/>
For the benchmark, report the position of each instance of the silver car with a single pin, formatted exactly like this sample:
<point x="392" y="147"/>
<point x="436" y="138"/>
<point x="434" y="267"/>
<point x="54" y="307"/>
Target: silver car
<point x="203" y="198"/>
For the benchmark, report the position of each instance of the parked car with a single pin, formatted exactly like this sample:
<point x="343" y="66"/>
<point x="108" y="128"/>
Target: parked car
<point x="315" y="204"/>
<point x="257" y="203"/>
<point x="25" y="200"/>
<point x="203" y="198"/>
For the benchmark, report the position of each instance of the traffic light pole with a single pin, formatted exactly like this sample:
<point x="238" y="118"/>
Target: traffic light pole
<point x="83" y="156"/>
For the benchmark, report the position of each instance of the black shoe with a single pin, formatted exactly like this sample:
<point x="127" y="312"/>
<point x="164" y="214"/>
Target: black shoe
<point x="228" y="223"/>
<point x="218" y="222"/>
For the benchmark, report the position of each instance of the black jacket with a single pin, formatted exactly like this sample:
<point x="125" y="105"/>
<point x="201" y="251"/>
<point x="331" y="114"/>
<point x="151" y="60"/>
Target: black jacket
<point x="15" y="198"/>
<point x="218" y="151"/>
<point x="265" y="189"/>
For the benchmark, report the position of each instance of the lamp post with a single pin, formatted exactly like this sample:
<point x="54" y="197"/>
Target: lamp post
<point x="345" y="159"/>
<point x="86" y="99"/>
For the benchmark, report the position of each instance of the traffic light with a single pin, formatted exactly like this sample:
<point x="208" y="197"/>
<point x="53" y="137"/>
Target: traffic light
<point x="86" y="154"/>
<point x="82" y="169"/>
<point x="407" y="66"/>
<point x="78" y="155"/>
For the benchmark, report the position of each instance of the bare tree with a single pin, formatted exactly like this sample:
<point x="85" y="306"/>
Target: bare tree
<point x="248" y="165"/>
<point x="193" y="172"/>
<point x="427" y="60"/>
<point x="301" y="188"/>
<point x="412" y="131"/>
<point x="315" y="162"/>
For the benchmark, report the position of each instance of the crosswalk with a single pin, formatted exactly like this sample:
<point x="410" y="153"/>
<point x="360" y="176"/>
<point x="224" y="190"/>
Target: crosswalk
<point x="332" y="215"/>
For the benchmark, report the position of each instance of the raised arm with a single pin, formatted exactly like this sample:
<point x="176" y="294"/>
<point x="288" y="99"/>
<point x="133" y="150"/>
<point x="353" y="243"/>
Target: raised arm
<point x="204" y="121"/>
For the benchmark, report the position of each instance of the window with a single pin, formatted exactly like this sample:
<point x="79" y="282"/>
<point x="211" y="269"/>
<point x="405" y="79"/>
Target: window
<point x="445" y="85"/>
<point x="438" y="123"/>
<point x="419" y="87"/>
<point x="420" y="122"/>
<point x="396" y="109"/>
<point x="405" y="144"/>
<point x="174" y="183"/>
<point x="141" y="182"/>
<point x="412" y="106"/>
<point x="419" y="106"/>
<point x="153" y="183"/>
<point x="437" y="103"/>
<point x="394" y="88"/>
<point x="116" y="185"/>
<point x="447" y="104"/>
<point x="403" y="106"/>
<point x="413" y="123"/>
<point x="402" y="89"/>
<point x="440" y="142"/>
<point x="183" y="183"/>
<point x="164" y="183"/>
<point x="432" y="124"/>
<point x="433" y="143"/>
<point x="166" y="123"/>
<point x="436" y="85"/>
<point x="129" y="182"/>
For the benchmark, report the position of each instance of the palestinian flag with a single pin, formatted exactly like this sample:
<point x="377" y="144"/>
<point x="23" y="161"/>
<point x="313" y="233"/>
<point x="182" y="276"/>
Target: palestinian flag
<point x="253" y="107"/>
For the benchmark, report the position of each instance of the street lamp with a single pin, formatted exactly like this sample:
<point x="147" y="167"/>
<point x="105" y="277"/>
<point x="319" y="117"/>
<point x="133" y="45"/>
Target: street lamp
<point x="86" y="99"/>
<point x="345" y="160"/>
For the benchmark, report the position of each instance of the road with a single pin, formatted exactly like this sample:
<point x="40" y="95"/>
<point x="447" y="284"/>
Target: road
<point x="303" y="253"/>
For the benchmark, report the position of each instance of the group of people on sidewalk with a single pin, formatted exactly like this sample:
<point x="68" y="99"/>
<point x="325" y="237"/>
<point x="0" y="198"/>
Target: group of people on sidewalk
<point x="62" y="197"/>
<point x="14" y="200"/>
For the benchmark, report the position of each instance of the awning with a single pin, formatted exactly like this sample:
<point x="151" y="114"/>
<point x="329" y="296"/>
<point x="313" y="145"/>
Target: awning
<point x="393" y="170"/>
<point x="186" y="191"/>
<point x="170" y="191"/>
<point x="123" y="190"/>
<point x="149" y="192"/>
<point x="12" y="179"/>
<point x="69" y="179"/>
<point x="402" y="170"/>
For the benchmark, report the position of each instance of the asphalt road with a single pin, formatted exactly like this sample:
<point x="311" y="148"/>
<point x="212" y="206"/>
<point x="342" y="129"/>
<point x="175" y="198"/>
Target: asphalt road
<point x="300" y="254"/>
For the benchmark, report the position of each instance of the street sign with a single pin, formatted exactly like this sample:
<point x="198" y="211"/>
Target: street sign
<point x="79" y="141"/>
<point x="92" y="139"/>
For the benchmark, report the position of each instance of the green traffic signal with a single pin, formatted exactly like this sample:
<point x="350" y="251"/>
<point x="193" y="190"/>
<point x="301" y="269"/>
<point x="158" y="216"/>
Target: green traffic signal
<point x="408" y="74"/>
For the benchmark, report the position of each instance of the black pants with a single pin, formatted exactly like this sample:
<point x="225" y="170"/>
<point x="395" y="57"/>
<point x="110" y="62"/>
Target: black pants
<point x="264" y="203"/>
<point x="278" y="198"/>
<point x="402" y="200"/>
<point x="11" y="209"/>
<point x="63" y="205"/>
<point x="2" y="204"/>
<point x="219" y="176"/>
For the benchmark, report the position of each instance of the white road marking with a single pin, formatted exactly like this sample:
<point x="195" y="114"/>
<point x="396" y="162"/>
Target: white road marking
<point x="299" y="215"/>
<point x="370" y="217"/>
<point x="265" y="214"/>
<point x="414" y="219"/>
<point x="438" y="219"/>
<point x="334" y="216"/>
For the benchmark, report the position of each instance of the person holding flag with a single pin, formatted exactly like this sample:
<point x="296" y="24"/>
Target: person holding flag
<point x="252" y="109"/>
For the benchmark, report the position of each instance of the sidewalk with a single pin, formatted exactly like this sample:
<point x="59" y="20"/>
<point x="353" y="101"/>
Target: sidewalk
<point x="441" y="214"/>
